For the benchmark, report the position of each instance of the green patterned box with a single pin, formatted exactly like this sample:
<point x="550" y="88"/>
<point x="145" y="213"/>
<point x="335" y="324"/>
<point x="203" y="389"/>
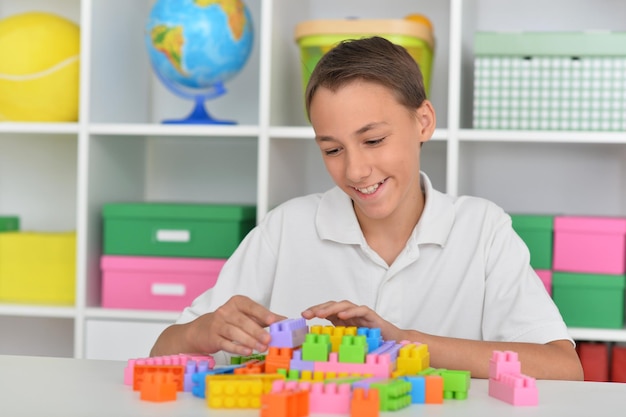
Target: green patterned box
<point x="537" y="231"/>
<point x="9" y="223"/>
<point x="590" y="300"/>
<point x="550" y="81"/>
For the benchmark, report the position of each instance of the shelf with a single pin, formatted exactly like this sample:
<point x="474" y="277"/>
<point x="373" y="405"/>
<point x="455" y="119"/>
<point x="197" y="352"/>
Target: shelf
<point x="27" y="310"/>
<point x="598" y="335"/>
<point x="541" y="136"/>
<point x="130" y="315"/>
<point x="153" y="129"/>
<point x="44" y="128"/>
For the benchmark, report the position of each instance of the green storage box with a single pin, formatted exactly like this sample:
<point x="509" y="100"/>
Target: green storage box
<point x="9" y="223"/>
<point x="176" y="230"/>
<point x="537" y="231"/>
<point x="587" y="300"/>
<point x="550" y="80"/>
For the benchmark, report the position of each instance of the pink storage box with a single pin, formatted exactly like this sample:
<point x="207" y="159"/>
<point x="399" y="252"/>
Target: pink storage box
<point x="152" y="283"/>
<point x="594" y="245"/>
<point x="546" y="277"/>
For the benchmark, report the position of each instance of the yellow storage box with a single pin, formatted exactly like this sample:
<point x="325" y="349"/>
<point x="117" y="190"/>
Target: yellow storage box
<point x="38" y="267"/>
<point x="415" y="33"/>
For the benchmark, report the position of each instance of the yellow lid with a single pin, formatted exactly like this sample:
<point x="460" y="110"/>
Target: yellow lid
<point x="367" y="27"/>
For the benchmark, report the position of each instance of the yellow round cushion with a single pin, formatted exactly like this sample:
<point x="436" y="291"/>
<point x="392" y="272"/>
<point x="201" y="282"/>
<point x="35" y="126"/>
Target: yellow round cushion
<point x="39" y="68"/>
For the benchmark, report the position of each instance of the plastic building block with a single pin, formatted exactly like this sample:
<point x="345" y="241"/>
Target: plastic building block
<point x="514" y="389"/>
<point x="254" y="366"/>
<point x="181" y="359"/>
<point x="298" y="364"/>
<point x="329" y="398"/>
<point x="159" y="387"/>
<point x="394" y="394"/>
<point x="433" y="391"/>
<point x="289" y="333"/>
<point x="198" y="379"/>
<point x="278" y="358"/>
<point x="316" y="347"/>
<point x="238" y="391"/>
<point x="418" y="388"/>
<point x="455" y="384"/>
<point x="285" y="400"/>
<point x="191" y="368"/>
<point x="413" y="359"/>
<point x="389" y="348"/>
<point x="365" y="403"/>
<point x="375" y="365"/>
<point x="506" y="381"/>
<point x="238" y="360"/>
<point x="353" y="349"/>
<point x="336" y="334"/>
<point x="373" y="337"/>
<point x="145" y="372"/>
<point x="504" y="362"/>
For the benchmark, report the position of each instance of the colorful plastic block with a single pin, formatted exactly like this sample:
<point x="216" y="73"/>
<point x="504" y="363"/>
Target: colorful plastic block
<point x="329" y="398"/>
<point x="336" y="334"/>
<point x="159" y="387"/>
<point x="504" y="362"/>
<point x="285" y="402"/>
<point x="515" y="389"/>
<point x="353" y="349"/>
<point x="373" y="337"/>
<point x="413" y="359"/>
<point x="143" y="373"/>
<point x="301" y="365"/>
<point x="278" y="358"/>
<point x="365" y="403"/>
<point x="418" y="388"/>
<point x="198" y="379"/>
<point x="433" y="391"/>
<point x="289" y="333"/>
<point x="375" y="365"/>
<point x="394" y="394"/>
<point x="455" y="384"/>
<point x="316" y="347"/>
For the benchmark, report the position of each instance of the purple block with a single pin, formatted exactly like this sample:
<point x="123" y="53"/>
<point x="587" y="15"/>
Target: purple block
<point x="300" y="365"/>
<point x="289" y="333"/>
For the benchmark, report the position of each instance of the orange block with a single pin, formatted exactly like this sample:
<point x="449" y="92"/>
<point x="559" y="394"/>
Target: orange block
<point x="434" y="389"/>
<point x="254" y="366"/>
<point x="159" y="387"/>
<point x="143" y="372"/>
<point x="278" y="358"/>
<point x="363" y="405"/>
<point x="285" y="404"/>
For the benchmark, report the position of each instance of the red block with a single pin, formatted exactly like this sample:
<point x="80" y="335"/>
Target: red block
<point x="618" y="364"/>
<point x="595" y="360"/>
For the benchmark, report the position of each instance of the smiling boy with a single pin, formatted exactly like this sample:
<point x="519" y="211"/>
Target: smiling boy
<point x="401" y="256"/>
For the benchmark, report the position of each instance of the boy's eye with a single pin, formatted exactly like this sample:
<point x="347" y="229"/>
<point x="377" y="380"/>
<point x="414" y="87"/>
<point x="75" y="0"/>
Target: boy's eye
<point x="374" y="141"/>
<point x="331" y="152"/>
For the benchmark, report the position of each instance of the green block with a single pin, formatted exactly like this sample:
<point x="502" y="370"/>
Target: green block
<point x="456" y="383"/>
<point x="9" y="223"/>
<point x="176" y="230"/>
<point x="394" y="394"/>
<point x="353" y="349"/>
<point x="537" y="231"/>
<point x="588" y="300"/>
<point x="316" y="347"/>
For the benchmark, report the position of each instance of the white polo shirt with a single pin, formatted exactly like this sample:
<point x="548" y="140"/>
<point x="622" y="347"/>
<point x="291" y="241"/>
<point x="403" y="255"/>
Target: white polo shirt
<point x="464" y="272"/>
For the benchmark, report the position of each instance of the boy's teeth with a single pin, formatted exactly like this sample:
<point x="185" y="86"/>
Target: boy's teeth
<point x="370" y="189"/>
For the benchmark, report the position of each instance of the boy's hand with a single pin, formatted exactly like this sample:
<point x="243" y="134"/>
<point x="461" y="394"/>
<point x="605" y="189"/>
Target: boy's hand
<point x="346" y="313"/>
<point x="236" y="327"/>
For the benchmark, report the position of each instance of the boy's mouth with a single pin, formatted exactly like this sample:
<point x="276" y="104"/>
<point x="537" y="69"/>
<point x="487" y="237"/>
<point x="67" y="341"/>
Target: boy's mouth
<point x="371" y="189"/>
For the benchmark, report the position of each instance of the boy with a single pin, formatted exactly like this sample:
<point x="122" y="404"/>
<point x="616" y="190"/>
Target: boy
<point x="418" y="264"/>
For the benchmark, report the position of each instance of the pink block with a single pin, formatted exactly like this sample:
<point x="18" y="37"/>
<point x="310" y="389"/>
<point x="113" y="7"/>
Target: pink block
<point x="375" y="365"/>
<point x="514" y="389"/>
<point x="546" y="277"/>
<point x="504" y="362"/>
<point x="329" y="398"/>
<point x="594" y="245"/>
<point x="153" y="283"/>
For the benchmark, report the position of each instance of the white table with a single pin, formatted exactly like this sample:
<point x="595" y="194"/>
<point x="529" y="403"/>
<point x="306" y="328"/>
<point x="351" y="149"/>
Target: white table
<point x="37" y="386"/>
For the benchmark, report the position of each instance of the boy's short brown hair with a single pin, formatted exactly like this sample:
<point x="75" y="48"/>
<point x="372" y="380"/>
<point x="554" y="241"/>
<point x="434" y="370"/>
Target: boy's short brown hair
<point x="372" y="59"/>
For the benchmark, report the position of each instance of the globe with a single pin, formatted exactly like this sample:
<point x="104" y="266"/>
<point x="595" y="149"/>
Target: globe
<point x="196" y="46"/>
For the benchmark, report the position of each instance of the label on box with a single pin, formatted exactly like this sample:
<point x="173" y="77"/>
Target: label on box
<point x="173" y="236"/>
<point x="167" y="289"/>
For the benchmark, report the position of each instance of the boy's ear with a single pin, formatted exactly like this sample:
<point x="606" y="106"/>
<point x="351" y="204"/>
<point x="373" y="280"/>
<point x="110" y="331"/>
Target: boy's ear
<point x="427" y="120"/>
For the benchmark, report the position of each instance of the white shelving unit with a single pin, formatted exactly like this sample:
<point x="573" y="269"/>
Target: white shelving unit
<point x="58" y="176"/>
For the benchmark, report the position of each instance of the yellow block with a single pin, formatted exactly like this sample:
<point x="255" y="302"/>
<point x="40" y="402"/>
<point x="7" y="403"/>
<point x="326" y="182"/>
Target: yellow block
<point x="38" y="267"/>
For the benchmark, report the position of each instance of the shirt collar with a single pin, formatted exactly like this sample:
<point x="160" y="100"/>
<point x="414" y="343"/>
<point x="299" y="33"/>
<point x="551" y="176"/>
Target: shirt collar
<point x="335" y="219"/>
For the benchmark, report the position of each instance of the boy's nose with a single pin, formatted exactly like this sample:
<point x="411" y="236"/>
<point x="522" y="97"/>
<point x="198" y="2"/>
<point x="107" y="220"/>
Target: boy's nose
<point x="358" y="167"/>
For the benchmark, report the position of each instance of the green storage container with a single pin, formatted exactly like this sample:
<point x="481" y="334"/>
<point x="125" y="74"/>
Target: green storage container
<point x="9" y="223"/>
<point x="587" y="300"/>
<point x="175" y="230"/>
<point x="537" y="231"/>
<point x="549" y="80"/>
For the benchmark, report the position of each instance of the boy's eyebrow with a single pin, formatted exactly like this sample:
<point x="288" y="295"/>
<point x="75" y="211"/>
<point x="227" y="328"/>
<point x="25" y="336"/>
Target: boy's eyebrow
<point x="359" y="131"/>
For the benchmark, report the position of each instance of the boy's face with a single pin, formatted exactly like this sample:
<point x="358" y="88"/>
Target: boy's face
<point x="371" y="147"/>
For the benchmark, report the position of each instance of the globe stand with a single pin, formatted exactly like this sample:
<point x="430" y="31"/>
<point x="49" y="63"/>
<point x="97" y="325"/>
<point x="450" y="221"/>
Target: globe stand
<point x="199" y="114"/>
